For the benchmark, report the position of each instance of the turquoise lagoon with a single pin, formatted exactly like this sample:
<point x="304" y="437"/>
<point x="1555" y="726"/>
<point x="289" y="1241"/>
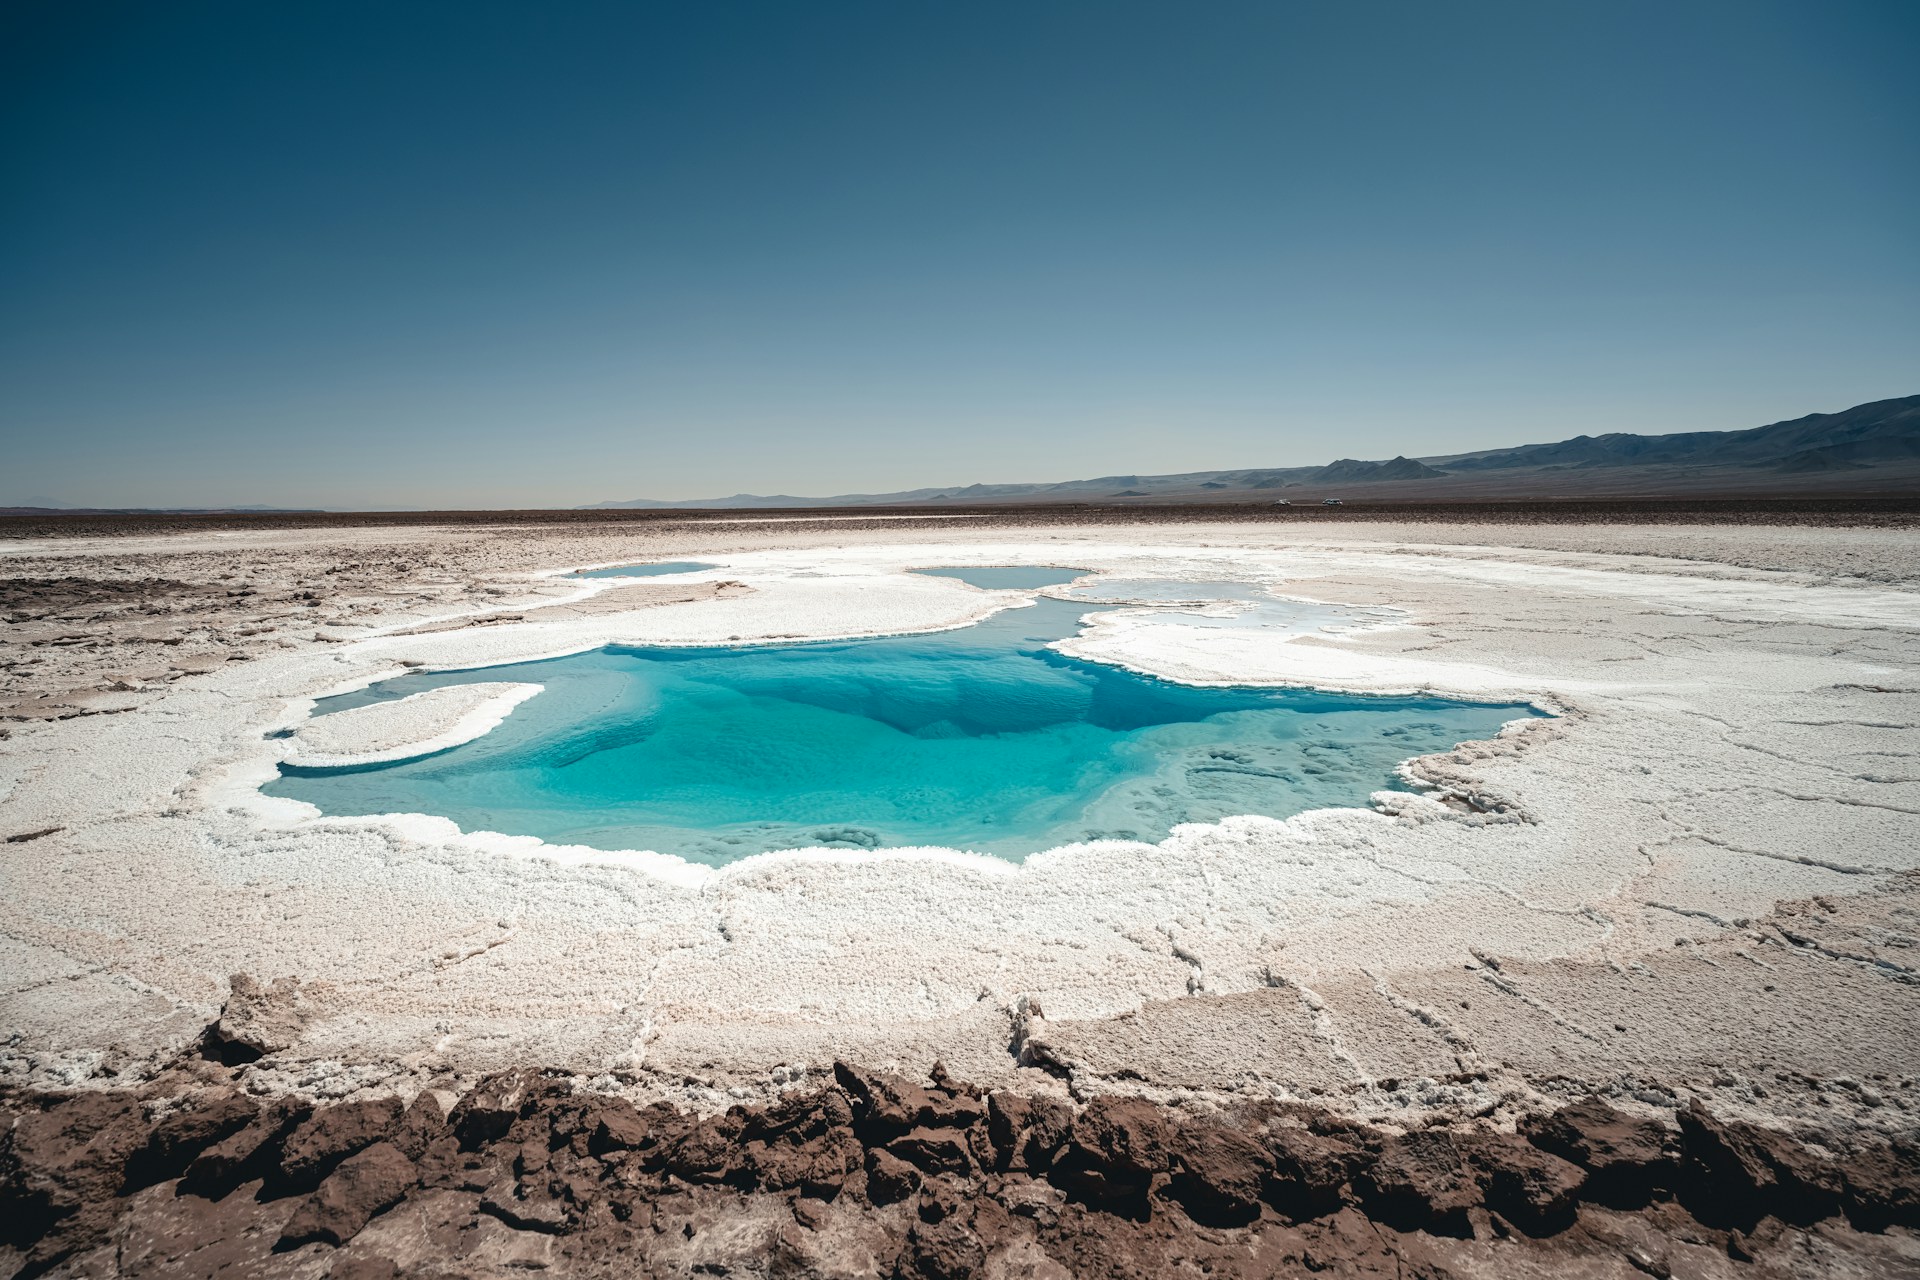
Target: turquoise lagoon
<point x="980" y="738"/>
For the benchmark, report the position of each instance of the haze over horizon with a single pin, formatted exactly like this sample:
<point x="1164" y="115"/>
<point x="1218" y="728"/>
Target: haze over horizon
<point x="493" y="255"/>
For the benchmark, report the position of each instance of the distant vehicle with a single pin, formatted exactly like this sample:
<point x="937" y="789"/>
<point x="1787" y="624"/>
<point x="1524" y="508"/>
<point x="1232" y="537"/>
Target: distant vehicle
<point x="1332" y="502"/>
<point x="1282" y="502"/>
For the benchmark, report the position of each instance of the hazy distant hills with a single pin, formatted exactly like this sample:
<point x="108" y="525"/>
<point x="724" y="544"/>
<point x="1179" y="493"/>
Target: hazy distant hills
<point x="1869" y="449"/>
<point x="53" y="506"/>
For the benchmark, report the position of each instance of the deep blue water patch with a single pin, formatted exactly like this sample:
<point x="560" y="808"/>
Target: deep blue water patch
<point x="646" y="570"/>
<point x="980" y="738"/>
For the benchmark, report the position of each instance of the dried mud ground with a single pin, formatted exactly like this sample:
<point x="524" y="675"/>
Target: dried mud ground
<point x="197" y="1080"/>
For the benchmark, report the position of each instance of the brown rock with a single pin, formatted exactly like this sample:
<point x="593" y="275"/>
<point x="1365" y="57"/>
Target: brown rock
<point x="176" y="1140"/>
<point x="1220" y="1175"/>
<point x="56" y="1162"/>
<point x="524" y="1211"/>
<point x="1025" y="1133"/>
<point x="1345" y="1243"/>
<point x="531" y="1159"/>
<point x="799" y="1115"/>
<point x="248" y="1154"/>
<point x="329" y="1136"/>
<point x="490" y="1109"/>
<point x="933" y="1150"/>
<point x="1421" y="1181"/>
<point x="627" y="1209"/>
<point x="805" y="1141"/>
<point x="1626" y="1159"/>
<point x="889" y="1178"/>
<point x="708" y="1150"/>
<point x="1125" y="1132"/>
<point x="373" y="1266"/>
<point x="980" y="1147"/>
<point x="1531" y="1188"/>
<point x="1007" y="1116"/>
<point x="616" y="1126"/>
<point x="944" y="1081"/>
<point x="882" y="1100"/>
<point x="1118" y="1144"/>
<point x="1736" y="1173"/>
<point x="423" y="1124"/>
<point x="1049" y="1126"/>
<point x="811" y="1213"/>
<point x="940" y="1199"/>
<point x="945" y="1250"/>
<point x="1311" y="1172"/>
<point x="1883" y="1186"/>
<point x="363" y="1186"/>
<point x="1038" y="1200"/>
<point x="888" y="1105"/>
<point x="579" y="1180"/>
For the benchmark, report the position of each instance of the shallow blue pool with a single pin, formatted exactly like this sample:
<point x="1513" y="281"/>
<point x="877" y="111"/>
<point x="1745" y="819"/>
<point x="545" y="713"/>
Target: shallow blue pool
<point x="980" y="738"/>
<point x="646" y="570"/>
<point x="1024" y="577"/>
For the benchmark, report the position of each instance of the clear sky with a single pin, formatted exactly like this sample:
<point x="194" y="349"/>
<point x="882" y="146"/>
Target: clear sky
<point x="483" y="254"/>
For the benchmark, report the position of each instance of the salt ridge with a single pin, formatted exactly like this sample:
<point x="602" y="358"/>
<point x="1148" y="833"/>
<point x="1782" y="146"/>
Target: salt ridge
<point x="406" y="728"/>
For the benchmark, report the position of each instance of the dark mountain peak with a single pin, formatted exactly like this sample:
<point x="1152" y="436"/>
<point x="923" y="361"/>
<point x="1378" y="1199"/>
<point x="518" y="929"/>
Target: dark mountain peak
<point x="1352" y="470"/>
<point x="1405" y="468"/>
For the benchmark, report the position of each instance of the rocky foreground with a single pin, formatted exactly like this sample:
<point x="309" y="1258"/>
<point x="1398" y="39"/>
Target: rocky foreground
<point x="872" y="1174"/>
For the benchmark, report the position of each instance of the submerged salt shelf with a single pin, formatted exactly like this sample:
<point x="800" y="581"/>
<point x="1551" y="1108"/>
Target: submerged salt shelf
<point x="1022" y="577"/>
<point x="1230" y="604"/>
<point x="981" y="738"/>
<point x="646" y="570"/>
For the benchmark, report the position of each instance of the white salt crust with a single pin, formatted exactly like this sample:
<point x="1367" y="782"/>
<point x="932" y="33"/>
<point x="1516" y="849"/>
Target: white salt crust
<point x="1729" y="735"/>
<point x="406" y="728"/>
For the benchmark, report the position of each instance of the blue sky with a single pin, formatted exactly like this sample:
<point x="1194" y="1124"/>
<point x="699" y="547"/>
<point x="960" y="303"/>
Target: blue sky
<point x="482" y="254"/>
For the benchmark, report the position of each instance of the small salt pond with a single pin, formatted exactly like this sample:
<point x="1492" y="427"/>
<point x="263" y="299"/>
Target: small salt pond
<point x="981" y="738"/>
<point x="1008" y="577"/>
<point x="646" y="570"/>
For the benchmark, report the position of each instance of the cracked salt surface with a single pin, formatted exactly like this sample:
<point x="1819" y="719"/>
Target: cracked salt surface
<point x="980" y="739"/>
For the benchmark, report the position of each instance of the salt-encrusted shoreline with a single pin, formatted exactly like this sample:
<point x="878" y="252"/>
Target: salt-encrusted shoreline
<point x="1145" y="642"/>
<point x="411" y="727"/>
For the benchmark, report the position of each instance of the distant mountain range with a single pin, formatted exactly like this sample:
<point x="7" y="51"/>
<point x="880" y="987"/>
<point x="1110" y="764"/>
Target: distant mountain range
<point x="1870" y="448"/>
<point x="53" y="506"/>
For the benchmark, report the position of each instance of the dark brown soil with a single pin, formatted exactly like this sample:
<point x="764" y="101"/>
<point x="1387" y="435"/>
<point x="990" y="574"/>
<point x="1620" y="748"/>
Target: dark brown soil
<point x="869" y="1173"/>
